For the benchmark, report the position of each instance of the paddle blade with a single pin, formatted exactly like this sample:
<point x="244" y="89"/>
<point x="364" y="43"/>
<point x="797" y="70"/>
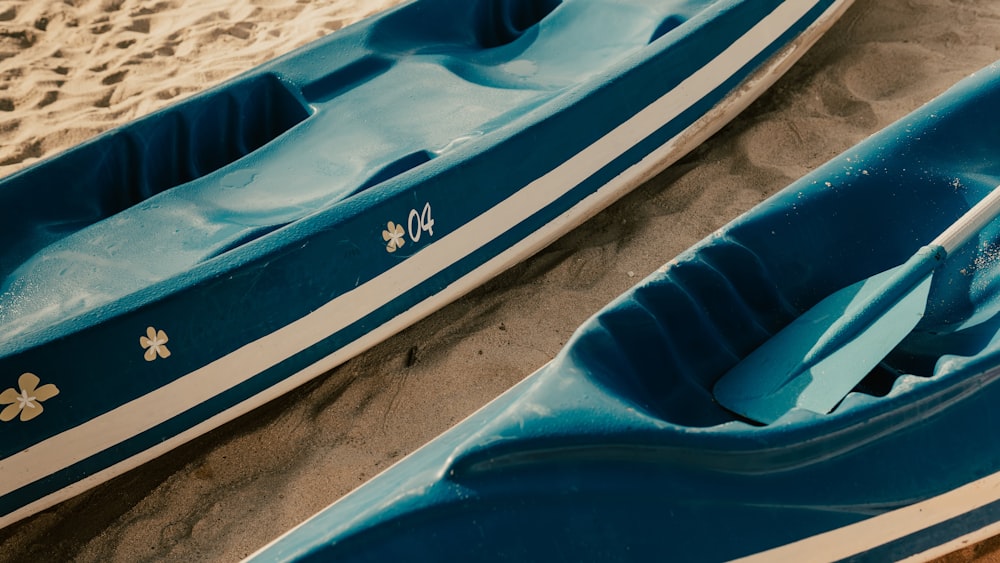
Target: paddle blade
<point x="776" y="377"/>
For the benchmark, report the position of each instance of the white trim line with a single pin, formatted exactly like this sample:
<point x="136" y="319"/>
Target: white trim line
<point x="150" y="410"/>
<point x="956" y="544"/>
<point x="873" y="532"/>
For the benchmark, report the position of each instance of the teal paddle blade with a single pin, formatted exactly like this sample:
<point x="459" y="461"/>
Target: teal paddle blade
<point x="861" y="354"/>
<point x="818" y="358"/>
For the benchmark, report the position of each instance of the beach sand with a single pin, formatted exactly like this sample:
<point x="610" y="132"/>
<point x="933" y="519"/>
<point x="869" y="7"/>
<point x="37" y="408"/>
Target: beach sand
<point x="72" y="68"/>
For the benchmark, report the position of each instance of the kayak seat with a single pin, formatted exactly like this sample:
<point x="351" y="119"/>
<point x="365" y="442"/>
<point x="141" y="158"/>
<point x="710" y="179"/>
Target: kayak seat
<point x="664" y="346"/>
<point x="103" y="180"/>
<point x="577" y="41"/>
<point x="112" y="173"/>
<point x="541" y="44"/>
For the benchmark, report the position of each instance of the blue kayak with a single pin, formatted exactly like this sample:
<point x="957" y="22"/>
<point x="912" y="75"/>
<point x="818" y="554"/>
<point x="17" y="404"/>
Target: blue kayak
<point x="619" y="450"/>
<point x="178" y="271"/>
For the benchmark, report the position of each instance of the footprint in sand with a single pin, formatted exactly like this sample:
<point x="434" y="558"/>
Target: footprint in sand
<point x="585" y="268"/>
<point x="884" y="71"/>
<point x="114" y="77"/>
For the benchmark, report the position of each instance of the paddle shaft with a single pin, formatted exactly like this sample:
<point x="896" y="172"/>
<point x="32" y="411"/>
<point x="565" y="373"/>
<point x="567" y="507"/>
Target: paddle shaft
<point x="970" y="223"/>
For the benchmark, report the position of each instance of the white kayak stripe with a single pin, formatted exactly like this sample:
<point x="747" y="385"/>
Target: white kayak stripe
<point x="873" y="532"/>
<point x="146" y="412"/>
<point x="967" y="540"/>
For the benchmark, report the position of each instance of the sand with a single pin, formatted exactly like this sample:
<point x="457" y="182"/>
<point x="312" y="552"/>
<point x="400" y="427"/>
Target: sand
<point x="72" y="68"/>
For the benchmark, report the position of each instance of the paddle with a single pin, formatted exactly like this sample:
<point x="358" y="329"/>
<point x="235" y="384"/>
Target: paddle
<point x="816" y="360"/>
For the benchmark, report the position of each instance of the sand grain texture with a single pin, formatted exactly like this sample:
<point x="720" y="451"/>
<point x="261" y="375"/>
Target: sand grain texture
<point x="70" y="69"/>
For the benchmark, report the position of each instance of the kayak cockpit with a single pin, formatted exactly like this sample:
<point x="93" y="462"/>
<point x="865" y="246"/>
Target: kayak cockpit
<point x="661" y="347"/>
<point x="636" y="380"/>
<point x="548" y="45"/>
<point x="160" y="197"/>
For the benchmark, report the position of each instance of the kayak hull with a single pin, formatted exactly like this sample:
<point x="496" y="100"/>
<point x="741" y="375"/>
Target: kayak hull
<point x="390" y="174"/>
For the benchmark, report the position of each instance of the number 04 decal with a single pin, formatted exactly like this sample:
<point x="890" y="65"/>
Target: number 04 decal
<point x="420" y="222"/>
<point x="417" y="223"/>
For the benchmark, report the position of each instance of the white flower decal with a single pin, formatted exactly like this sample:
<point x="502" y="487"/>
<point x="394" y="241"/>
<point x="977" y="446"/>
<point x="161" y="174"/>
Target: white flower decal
<point x="393" y="236"/>
<point x="27" y="403"/>
<point x="155" y="343"/>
